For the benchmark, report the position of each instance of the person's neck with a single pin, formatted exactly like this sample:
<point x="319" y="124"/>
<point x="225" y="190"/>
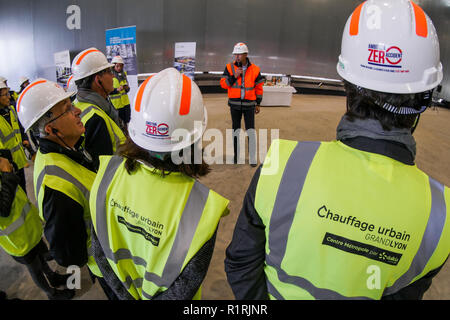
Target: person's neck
<point x="59" y="141"/>
<point x="99" y="90"/>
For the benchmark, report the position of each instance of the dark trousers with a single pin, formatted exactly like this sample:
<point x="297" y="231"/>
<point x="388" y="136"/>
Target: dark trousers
<point x="125" y="113"/>
<point x="21" y="174"/>
<point x="109" y="293"/>
<point x="40" y="270"/>
<point x="249" y="121"/>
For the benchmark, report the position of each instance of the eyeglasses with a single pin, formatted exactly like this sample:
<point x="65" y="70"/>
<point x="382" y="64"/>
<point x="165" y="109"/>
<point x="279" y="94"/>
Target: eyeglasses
<point x="108" y="70"/>
<point x="71" y="109"/>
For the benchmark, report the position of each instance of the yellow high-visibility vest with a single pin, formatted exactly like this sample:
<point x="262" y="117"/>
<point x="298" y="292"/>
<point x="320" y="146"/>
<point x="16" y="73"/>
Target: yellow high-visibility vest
<point x="61" y="173"/>
<point x="150" y="227"/>
<point x="347" y="224"/>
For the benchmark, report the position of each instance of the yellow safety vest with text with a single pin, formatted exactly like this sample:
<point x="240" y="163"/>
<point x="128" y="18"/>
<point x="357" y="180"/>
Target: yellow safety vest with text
<point x="150" y="227"/>
<point x="61" y="173"/>
<point x="347" y="224"/>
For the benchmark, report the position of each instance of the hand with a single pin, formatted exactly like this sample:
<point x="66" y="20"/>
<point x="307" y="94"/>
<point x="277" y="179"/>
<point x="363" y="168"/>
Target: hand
<point x="257" y="109"/>
<point x="238" y="73"/>
<point x="25" y="143"/>
<point x="5" y="165"/>
<point x="120" y="88"/>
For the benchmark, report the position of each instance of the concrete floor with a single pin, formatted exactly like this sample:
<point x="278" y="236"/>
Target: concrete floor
<point x="310" y="118"/>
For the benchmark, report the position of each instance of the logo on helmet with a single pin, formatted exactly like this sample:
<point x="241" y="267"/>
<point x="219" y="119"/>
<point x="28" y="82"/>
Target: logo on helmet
<point x="155" y="130"/>
<point x="380" y="56"/>
<point x="394" y="55"/>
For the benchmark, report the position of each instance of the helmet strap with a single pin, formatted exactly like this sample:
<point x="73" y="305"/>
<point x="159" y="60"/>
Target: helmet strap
<point x="55" y="132"/>
<point x="159" y="155"/>
<point x="425" y="97"/>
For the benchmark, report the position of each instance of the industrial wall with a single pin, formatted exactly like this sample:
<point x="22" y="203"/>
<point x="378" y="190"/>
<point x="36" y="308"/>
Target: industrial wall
<point x="297" y="37"/>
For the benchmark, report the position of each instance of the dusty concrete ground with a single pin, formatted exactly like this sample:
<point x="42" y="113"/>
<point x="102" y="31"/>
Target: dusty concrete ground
<point x="310" y="117"/>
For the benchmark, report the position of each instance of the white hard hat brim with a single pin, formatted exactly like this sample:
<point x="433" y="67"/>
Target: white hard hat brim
<point x="69" y="94"/>
<point x="240" y="52"/>
<point x="109" y="65"/>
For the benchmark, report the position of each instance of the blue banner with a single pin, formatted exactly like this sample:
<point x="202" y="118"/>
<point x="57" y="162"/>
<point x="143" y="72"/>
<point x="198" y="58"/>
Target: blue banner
<point x="122" y="42"/>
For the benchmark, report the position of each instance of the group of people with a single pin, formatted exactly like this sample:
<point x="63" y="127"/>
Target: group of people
<point x="112" y="198"/>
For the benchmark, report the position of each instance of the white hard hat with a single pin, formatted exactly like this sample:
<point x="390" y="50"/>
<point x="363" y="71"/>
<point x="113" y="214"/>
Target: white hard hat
<point x="3" y="79"/>
<point x="37" y="98"/>
<point x="167" y="106"/>
<point x="3" y="85"/>
<point x="240" y="48"/>
<point x="390" y="46"/>
<point x="117" y="59"/>
<point x="22" y="80"/>
<point x="70" y="85"/>
<point x="89" y="62"/>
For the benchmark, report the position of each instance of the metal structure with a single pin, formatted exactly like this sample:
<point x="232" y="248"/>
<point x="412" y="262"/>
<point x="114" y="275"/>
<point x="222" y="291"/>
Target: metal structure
<point x="293" y="37"/>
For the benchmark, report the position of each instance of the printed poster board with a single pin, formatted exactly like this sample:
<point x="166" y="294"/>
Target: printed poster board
<point x="122" y="41"/>
<point x="185" y="58"/>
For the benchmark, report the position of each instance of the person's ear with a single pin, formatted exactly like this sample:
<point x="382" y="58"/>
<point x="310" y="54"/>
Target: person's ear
<point x="49" y="129"/>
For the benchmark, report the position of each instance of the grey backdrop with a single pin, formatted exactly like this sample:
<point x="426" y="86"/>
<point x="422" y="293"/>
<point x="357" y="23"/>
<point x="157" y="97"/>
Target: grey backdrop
<point x="299" y="37"/>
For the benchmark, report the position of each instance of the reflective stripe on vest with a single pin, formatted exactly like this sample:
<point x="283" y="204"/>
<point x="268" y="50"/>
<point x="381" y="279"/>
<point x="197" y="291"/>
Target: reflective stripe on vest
<point x="284" y="210"/>
<point x="58" y="171"/>
<point x="124" y="96"/>
<point x="6" y="139"/>
<point x="116" y="99"/>
<point x="190" y="218"/>
<point x="116" y="140"/>
<point x="249" y="83"/>
<point x="11" y="138"/>
<point x="22" y="229"/>
<point x="18" y="223"/>
<point x="52" y="170"/>
<point x="242" y="103"/>
<point x="288" y="194"/>
<point x="430" y="238"/>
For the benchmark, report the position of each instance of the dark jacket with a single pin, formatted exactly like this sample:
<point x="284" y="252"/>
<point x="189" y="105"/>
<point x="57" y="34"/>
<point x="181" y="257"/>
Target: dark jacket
<point x="97" y="139"/>
<point x="8" y="186"/>
<point x="245" y="256"/>
<point x="65" y="228"/>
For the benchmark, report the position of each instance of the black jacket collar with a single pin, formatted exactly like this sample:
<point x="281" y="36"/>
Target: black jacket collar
<point x="391" y="149"/>
<point x="248" y="63"/>
<point x="47" y="146"/>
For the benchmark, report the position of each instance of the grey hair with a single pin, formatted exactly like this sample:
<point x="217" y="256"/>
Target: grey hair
<point x="38" y="129"/>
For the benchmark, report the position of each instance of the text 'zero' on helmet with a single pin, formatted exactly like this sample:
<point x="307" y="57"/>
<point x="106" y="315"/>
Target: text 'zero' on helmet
<point x="89" y="62"/>
<point x="168" y="113"/>
<point x="38" y="98"/>
<point x="390" y="46"/>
